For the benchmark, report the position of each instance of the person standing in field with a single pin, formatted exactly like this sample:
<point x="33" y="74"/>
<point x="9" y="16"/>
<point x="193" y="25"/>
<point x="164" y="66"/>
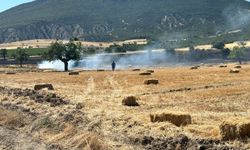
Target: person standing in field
<point x="113" y="66"/>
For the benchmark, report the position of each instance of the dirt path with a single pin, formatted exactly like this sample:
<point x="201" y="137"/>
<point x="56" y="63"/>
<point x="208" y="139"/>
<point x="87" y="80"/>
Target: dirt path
<point x="14" y="140"/>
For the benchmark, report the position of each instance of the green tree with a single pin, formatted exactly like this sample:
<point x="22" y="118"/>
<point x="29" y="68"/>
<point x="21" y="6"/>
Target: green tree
<point x="64" y="52"/>
<point x="219" y="45"/>
<point x="21" y="56"/>
<point x="225" y="53"/>
<point x="3" y="53"/>
<point x="238" y="53"/>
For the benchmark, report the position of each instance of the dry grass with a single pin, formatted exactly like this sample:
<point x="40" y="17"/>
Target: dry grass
<point x="11" y="119"/>
<point x="207" y="46"/>
<point x="215" y="95"/>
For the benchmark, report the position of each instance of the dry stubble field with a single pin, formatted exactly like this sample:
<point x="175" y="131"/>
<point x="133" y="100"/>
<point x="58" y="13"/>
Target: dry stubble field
<point x="210" y="95"/>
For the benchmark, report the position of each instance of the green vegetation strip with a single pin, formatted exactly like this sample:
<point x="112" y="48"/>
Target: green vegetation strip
<point x="30" y="51"/>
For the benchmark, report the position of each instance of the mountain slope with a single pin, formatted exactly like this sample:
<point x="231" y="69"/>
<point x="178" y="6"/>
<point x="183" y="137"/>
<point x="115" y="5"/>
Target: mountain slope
<point x="102" y="20"/>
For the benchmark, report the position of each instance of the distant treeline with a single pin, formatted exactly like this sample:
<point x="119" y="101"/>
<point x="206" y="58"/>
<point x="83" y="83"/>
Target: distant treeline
<point x="218" y="51"/>
<point x="115" y="48"/>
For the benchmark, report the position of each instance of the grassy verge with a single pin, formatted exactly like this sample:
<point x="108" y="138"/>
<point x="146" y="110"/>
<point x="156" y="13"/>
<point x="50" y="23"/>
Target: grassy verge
<point x="30" y="51"/>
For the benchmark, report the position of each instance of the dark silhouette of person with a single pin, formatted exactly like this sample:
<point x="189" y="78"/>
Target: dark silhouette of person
<point x="113" y="66"/>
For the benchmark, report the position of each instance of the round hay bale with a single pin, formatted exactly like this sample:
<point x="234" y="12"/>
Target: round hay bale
<point x="151" y="81"/>
<point x="234" y="71"/>
<point x="176" y="119"/>
<point x="73" y="73"/>
<point x="43" y="86"/>
<point x="130" y="101"/>
<point x="145" y="74"/>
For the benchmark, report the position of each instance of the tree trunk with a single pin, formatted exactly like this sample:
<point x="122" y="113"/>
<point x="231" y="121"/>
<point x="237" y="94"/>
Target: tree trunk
<point x="21" y="64"/>
<point x="66" y="66"/>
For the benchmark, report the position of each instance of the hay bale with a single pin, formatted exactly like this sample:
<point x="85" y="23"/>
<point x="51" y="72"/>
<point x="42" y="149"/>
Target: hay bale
<point x="244" y="130"/>
<point x="228" y="131"/>
<point x="73" y="73"/>
<point x="43" y="86"/>
<point x="237" y="67"/>
<point x="145" y="74"/>
<point x="79" y="105"/>
<point x="100" y="70"/>
<point x="231" y="130"/>
<point x="234" y="71"/>
<point x="223" y="66"/>
<point x="136" y="69"/>
<point x="151" y="81"/>
<point x="150" y="71"/>
<point x="194" y="67"/>
<point x="176" y="119"/>
<point x="10" y="73"/>
<point x="130" y="101"/>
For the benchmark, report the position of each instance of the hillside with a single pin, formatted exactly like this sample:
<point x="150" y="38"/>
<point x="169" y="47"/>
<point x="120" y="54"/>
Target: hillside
<point x="108" y="20"/>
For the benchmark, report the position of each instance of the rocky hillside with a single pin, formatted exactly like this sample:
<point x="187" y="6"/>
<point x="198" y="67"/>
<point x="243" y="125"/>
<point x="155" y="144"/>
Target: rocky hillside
<point x="106" y="20"/>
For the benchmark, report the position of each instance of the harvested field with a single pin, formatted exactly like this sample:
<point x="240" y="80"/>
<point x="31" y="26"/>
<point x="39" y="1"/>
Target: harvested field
<point x="88" y="112"/>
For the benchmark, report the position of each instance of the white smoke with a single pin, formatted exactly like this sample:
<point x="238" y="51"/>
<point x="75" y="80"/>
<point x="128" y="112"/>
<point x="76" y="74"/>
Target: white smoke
<point x="147" y="58"/>
<point x="56" y="65"/>
<point x="237" y="17"/>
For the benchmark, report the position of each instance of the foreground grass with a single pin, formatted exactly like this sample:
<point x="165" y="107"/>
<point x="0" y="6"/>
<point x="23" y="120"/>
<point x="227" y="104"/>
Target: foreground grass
<point x="215" y="95"/>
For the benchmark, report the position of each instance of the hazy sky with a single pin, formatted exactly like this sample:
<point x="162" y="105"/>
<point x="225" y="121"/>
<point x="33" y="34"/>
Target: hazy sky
<point x="6" y="4"/>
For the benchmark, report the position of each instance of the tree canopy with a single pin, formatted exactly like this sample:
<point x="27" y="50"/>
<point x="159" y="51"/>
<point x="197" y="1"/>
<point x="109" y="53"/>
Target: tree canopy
<point x="21" y="56"/>
<point x="64" y="52"/>
<point x="3" y="53"/>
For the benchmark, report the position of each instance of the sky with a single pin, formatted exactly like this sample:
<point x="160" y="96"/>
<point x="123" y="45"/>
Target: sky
<point x="7" y="4"/>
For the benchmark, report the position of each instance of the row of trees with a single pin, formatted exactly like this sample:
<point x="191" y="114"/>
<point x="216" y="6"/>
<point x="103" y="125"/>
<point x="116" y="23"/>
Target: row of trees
<point x="73" y="51"/>
<point x="237" y="53"/>
<point x="115" y="48"/>
<point x="57" y="51"/>
<point x="20" y="55"/>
